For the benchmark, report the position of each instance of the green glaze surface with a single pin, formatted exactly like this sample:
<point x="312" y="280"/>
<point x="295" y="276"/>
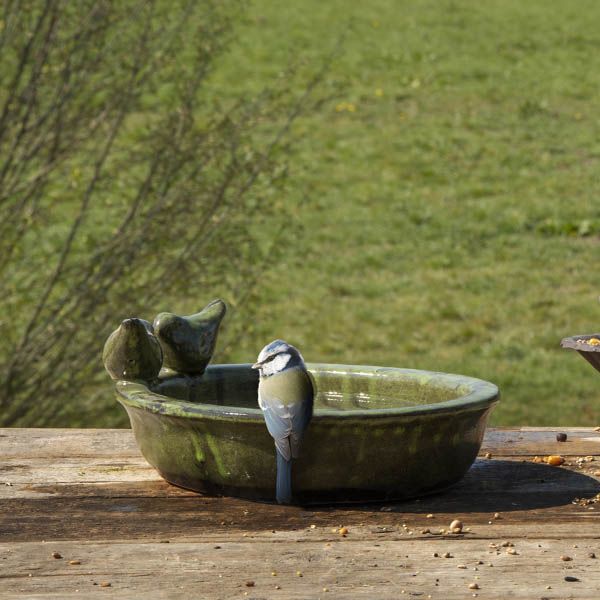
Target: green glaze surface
<point x="188" y="342"/>
<point x="376" y="433"/>
<point x="132" y="352"/>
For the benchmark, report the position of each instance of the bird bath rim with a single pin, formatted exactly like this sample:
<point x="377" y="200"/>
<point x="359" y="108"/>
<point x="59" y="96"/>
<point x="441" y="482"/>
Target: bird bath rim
<point x="472" y="394"/>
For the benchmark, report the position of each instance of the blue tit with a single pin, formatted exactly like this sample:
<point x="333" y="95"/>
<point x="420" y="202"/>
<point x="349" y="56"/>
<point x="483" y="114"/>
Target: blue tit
<point x="285" y="395"/>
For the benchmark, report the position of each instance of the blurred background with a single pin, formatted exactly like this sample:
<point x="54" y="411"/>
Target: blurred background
<point x="409" y="184"/>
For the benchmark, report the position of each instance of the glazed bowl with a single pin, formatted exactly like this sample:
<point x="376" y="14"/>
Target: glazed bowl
<point x="580" y="343"/>
<point x="376" y="434"/>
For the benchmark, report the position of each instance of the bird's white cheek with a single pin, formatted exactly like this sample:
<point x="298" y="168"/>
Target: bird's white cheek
<point x="280" y="362"/>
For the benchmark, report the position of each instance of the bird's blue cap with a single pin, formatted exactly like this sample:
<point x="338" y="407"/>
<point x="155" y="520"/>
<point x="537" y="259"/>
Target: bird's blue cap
<point x="275" y="347"/>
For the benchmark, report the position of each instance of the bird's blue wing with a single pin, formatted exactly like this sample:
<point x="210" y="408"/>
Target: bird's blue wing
<point x="279" y="425"/>
<point x="285" y="420"/>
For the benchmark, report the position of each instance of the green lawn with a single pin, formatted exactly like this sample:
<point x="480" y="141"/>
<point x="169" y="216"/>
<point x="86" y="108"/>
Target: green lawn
<point x="448" y="200"/>
<point x="452" y="218"/>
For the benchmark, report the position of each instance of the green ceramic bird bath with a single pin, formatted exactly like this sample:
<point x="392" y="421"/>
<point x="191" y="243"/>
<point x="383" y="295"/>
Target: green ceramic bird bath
<point x="376" y="434"/>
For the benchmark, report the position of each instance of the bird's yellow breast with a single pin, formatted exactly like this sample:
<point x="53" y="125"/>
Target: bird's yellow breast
<point x="293" y="385"/>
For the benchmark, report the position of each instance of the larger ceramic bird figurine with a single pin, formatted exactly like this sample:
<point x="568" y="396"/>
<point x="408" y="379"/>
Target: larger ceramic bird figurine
<point x="285" y="395"/>
<point x="188" y="343"/>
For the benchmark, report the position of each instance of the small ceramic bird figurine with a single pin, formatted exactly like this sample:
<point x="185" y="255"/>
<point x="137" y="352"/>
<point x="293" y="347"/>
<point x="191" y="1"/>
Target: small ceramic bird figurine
<point x="132" y="352"/>
<point x="188" y="343"/>
<point x="285" y="395"/>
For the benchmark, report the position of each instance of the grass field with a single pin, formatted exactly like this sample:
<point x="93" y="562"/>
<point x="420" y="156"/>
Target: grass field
<point x="448" y="199"/>
<point x="452" y="219"/>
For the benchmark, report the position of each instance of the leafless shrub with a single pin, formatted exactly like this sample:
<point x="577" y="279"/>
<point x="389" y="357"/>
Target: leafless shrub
<point x="125" y="187"/>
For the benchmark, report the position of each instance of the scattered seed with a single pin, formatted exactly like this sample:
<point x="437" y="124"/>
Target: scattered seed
<point x="56" y="555"/>
<point x="277" y="587"/>
<point x="461" y="566"/>
<point x="561" y="437"/>
<point x="105" y="584"/>
<point x="430" y="516"/>
<point x="591" y="555"/>
<point x="313" y="526"/>
<point x="488" y="455"/>
<point x="74" y="562"/>
<point x="511" y="551"/>
<point x="473" y="586"/>
<point x="425" y="531"/>
<point x="274" y="573"/>
<point x="507" y="544"/>
<point x="555" y="460"/>
<point x="343" y="531"/>
<point x="325" y="589"/>
<point x="497" y="516"/>
<point x="299" y="574"/>
<point x="570" y="578"/>
<point x="447" y="555"/>
<point x="565" y="558"/>
<point x="249" y="583"/>
<point x="456" y="526"/>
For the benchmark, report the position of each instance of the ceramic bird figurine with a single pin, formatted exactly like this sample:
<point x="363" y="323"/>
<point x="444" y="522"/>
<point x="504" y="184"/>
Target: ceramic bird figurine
<point x="132" y="352"/>
<point x="285" y="395"/>
<point x="188" y="343"/>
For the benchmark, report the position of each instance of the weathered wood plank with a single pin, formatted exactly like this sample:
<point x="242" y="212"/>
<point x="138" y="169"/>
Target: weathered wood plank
<point x="343" y="568"/>
<point x="32" y="477"/>
<point x="56" y="443"/>
<point x="174" y="518"/>
<point x="119" y="443"/>
<point x="92" y="497"/>
<point x="531" y="441"/>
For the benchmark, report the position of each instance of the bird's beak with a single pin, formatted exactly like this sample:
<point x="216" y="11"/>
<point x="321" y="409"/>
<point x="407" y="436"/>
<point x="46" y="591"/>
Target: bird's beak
<point x="257" y="365"/>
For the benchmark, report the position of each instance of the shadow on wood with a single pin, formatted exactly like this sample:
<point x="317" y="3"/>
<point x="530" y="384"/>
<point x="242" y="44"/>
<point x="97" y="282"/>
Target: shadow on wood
<point x="153" y="509"/>
<point x="504" y="486"/>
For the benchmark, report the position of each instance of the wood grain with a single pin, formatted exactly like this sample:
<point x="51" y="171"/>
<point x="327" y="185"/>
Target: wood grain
<point x="91" y="497"/>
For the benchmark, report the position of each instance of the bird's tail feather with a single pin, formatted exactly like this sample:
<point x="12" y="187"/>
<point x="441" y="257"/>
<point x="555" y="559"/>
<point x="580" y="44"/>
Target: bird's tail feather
<point x="283" y="488"/>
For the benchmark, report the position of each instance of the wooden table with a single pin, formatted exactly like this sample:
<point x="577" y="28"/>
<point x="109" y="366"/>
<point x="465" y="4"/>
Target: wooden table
<point x="117" y="530"/>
